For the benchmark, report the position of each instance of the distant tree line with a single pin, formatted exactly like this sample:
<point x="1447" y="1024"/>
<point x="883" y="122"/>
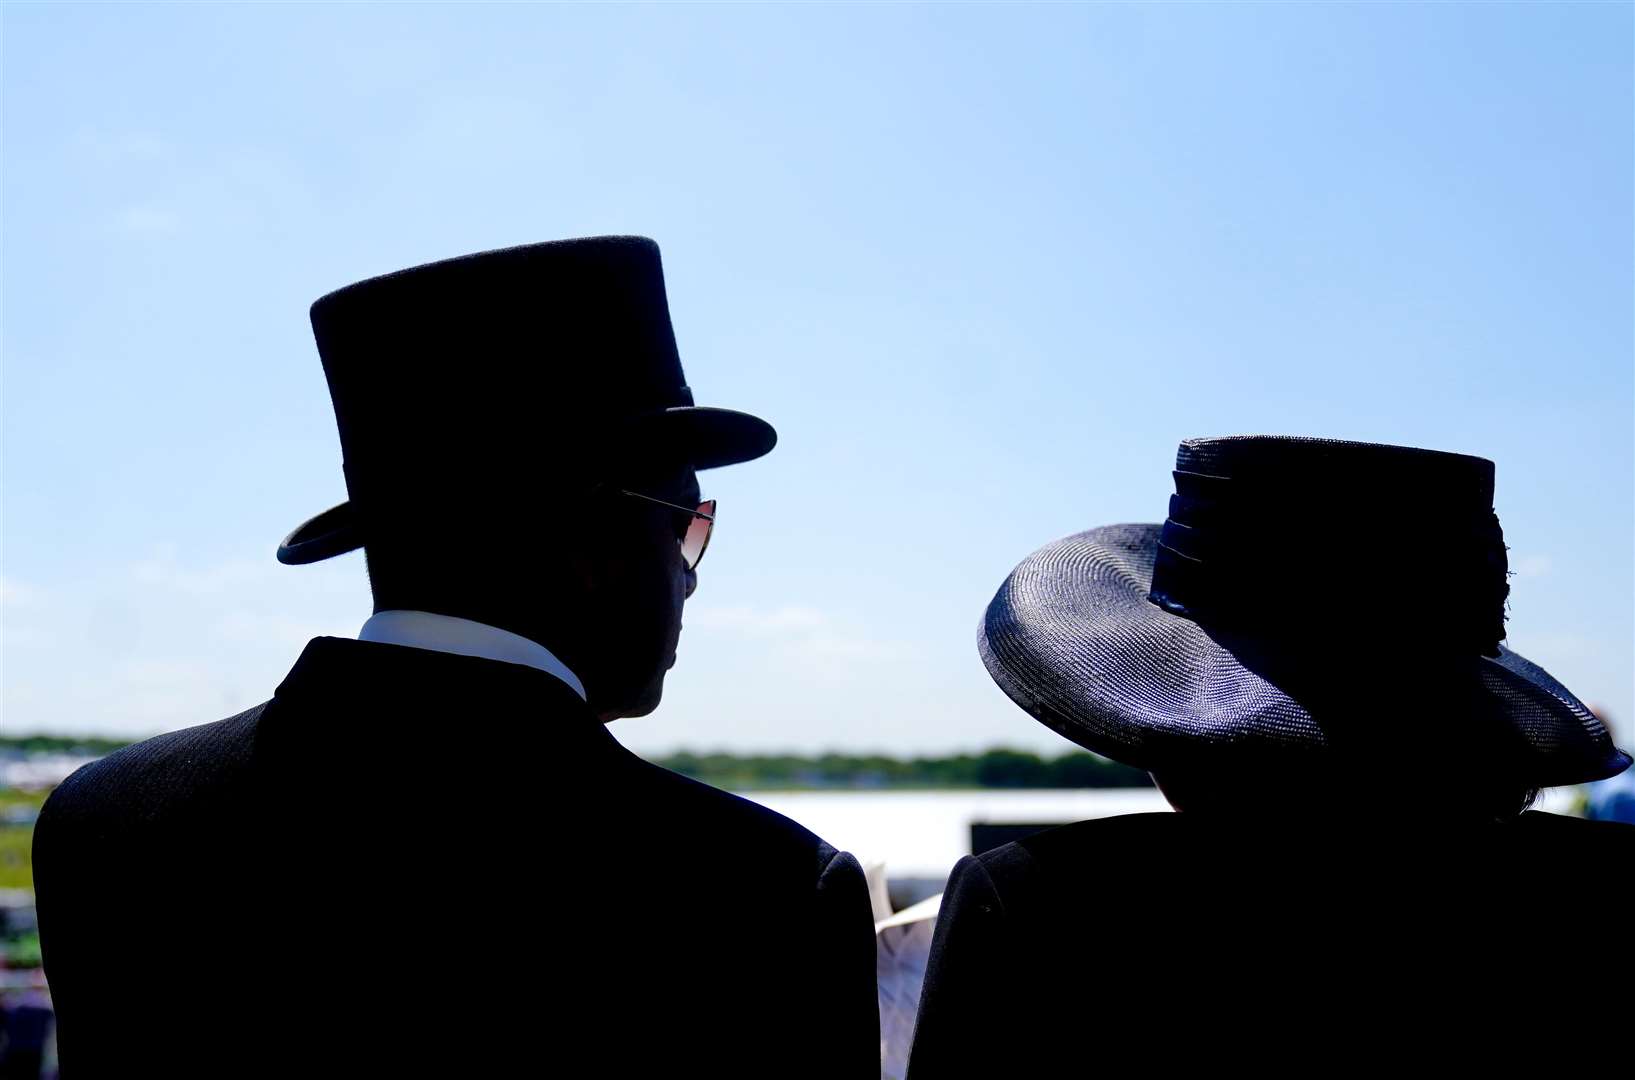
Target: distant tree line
<point x="88" y="745"/>
<point x="998" y="768"/>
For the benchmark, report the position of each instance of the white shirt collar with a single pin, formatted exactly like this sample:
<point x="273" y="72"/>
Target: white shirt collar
<point x="465" y="637"/>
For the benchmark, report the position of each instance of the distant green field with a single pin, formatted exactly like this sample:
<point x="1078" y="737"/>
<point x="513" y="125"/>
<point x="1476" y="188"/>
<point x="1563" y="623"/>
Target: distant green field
<point x="16" y="841"/>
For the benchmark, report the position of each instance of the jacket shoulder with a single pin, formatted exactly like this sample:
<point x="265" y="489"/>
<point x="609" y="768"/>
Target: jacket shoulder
<point x="1163" y="845"/>
<point x="1541" y="823"/>
<point x="1120" y="828"/>
<point x="733" y="822"/>
<point x="1069" y="844"/>
<point x="147" y="781"/>
<point x="1591" y="848"/>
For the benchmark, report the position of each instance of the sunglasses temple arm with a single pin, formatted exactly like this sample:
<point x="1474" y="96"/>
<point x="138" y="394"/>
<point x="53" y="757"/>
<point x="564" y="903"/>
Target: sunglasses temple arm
<point x="671" y="505"/>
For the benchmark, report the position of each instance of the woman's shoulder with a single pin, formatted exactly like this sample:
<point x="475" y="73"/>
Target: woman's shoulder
<point x="1056" y="858"/>
<point x="1532" y="820"/>
<point x="1158" y="846"/>
<point x="1068" y="842"/>
<point x="1543" y="835"/>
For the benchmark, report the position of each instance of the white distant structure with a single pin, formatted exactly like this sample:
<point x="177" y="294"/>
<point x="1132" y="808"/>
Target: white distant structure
<point x="920" y="835"/>
<point x="38" y="772"/>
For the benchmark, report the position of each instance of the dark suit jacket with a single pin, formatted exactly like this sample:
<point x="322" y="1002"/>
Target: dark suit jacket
<point x="411" y="862"/>
<point x="1173" y="944"/>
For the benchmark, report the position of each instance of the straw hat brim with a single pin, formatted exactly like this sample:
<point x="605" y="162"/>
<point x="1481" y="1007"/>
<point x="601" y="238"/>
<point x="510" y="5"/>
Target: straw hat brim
<point x="1072" y="638"/>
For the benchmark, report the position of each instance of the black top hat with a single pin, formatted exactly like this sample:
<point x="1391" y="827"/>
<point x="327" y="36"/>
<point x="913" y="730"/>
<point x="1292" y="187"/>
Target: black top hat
<point x="464" y="380"/>
<point x="1294" y="579"/>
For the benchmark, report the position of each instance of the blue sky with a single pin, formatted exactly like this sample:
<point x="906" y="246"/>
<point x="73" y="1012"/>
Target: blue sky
<point x="982" y="266"/>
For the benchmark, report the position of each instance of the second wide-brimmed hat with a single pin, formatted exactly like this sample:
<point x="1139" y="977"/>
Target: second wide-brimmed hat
<point x="504" y="377"/>
<point x="1294" y="581"/>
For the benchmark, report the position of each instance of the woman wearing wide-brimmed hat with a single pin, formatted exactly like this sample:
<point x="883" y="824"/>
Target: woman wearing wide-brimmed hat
<point x="1307" y="657"/>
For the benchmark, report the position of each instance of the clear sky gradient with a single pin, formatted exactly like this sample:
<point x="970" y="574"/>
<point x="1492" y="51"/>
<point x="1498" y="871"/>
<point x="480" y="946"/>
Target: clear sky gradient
<point x="982" y="266"/>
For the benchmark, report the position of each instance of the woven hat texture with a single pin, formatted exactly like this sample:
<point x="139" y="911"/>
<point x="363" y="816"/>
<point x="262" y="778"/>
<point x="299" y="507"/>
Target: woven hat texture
<point x="1075" y="637"/>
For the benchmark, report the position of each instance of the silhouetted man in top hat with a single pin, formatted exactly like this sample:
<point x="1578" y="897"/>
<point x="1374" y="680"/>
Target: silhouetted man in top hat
<point x="299" y="889"/>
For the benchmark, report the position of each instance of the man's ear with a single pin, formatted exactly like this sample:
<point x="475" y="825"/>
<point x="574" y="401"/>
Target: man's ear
<point x="590" y="562"/>
<point x="583" y="571"/>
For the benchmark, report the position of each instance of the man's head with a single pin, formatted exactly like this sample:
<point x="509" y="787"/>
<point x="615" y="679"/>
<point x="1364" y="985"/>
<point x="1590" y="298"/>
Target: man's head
<point x="492" y="411"/>
<point x="593" y="574"/>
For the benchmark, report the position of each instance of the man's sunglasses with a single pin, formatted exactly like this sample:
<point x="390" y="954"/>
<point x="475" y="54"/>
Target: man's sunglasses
<point x="692" y="531"/>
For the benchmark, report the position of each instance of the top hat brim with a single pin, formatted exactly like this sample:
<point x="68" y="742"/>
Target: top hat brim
<point x="707" y="437"/>
<point x="1072" y="638"/>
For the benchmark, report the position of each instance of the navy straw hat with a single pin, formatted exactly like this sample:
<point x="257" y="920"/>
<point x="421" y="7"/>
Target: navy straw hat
<point x="1301" y="593"/>
<point x="494" y="378"/>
